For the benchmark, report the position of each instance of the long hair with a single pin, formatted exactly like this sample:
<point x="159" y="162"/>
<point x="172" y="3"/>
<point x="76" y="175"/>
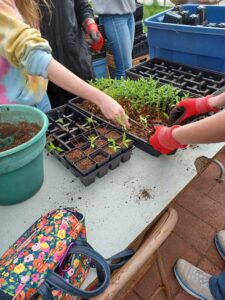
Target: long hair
<point x="30" y="11"/>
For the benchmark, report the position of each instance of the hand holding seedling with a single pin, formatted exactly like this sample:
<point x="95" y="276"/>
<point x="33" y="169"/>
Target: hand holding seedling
<point x="114" y="111"/>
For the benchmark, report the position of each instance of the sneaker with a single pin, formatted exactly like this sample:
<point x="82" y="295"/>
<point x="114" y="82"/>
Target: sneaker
<point x="193" y="280"/>
<point x="220" y="242"/>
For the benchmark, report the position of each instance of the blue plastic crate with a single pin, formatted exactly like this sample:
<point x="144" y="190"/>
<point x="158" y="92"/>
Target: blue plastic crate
<point x="195" y="45"/>
<point x="99" y="66"/>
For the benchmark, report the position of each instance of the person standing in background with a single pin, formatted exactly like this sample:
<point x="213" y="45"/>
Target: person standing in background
<point x="118" y="22"/>
<point x="67" y="28"/>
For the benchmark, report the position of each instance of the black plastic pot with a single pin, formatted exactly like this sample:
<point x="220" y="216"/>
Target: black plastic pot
<point x="65" y="142"/>
<point x="194" y="80"/>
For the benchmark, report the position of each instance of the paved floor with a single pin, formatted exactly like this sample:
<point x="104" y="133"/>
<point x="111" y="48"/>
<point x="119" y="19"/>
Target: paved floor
<point x="201" y="209"/>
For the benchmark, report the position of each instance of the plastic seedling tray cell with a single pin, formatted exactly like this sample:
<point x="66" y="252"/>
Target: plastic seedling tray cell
<point x="85" y="165"/>
<point x="198" y="81"/>
<point x="102" y="129"/>
<point x="74" y="155"/>
<point x="112" y="152"/>
<point x="100" y="157"/>
<point x="64" y="146"/>
<point x="88" y="150"/>
<point x="79" y="141"/>
<point x="52" y="127"/>
<point x="138" y="142"/>
<point x="101" y="141"/>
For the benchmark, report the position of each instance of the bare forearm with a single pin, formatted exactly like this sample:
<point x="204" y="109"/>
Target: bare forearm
<point x="218" y="101"/>
<point x="65" y="79"/>
<point x="209" y="130"/>
<point x="72" y="83"/>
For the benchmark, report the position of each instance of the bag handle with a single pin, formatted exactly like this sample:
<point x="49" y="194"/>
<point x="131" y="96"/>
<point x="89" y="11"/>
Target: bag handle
<point x="55" y="280"/>
<point x="122" y="256"/>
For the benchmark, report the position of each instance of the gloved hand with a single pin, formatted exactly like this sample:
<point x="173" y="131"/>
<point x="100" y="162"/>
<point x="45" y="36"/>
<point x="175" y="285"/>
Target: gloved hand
<point x="187" y="109"/>
<point x="93" y="35"/>
<point x="163" y="141"/>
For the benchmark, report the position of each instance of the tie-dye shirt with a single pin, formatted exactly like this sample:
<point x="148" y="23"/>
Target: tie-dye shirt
<point x="24" y="58"/>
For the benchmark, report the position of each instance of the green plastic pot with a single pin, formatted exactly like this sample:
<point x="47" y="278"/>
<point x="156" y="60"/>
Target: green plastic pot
<point x="21" y="168"/>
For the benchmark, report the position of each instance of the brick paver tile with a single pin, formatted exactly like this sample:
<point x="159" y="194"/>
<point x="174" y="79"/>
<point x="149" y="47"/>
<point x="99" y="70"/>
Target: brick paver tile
<point x="182" y="295"/>
<point x="209" y="267"/>
<point x="207" y="179"/>
<point x="148" y="283"/>
<point x="203" y="207"/>
<point x="218" y="193"/>
<point x="133" y="296"/>
<point x="174" y="248"/>
<point x="193" y="230"/>
<point x="213" y="255"/>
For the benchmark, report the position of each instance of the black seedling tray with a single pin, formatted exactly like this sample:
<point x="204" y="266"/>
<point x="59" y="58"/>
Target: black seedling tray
<point x="70" y="130"/>
<point x="138" y="28"/>
<point x="197" y="81"/>
<point x="138" y="142"/>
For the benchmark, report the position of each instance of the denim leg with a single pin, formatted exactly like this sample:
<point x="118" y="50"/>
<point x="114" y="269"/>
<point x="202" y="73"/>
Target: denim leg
<point x="45" y="104"/>
<point x="217" y="286"/>
<point x="119" y="30"/>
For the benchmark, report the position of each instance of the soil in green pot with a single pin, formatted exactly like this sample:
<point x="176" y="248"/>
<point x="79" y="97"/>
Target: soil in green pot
<point x="20" y="133"/>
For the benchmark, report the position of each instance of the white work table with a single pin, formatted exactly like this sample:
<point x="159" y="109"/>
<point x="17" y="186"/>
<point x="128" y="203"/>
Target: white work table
<point x="114" y="208"/>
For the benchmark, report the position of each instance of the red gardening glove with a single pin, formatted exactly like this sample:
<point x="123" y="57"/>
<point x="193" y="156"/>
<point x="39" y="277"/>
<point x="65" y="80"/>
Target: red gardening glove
<point x="93" y="35"/>
<point x="163" y="141"/>
<point x="188" y="109"/>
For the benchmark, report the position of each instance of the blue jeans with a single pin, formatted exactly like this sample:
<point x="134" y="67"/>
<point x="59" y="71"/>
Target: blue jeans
<point x="119" y="30"/>
<point x="217" y="286"/>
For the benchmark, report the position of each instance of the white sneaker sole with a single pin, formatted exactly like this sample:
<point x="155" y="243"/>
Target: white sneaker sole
<point x="185" y="287"/>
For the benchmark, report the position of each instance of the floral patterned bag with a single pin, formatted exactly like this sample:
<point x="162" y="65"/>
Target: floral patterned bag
<point x="51" y="260"/>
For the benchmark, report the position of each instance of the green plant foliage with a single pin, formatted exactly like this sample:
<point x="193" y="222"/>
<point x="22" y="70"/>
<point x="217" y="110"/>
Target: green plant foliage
<point x="92" y="140"/>
<point x="113" y="144"/>
<point x="91" y="121"/>
<point x="51" y="147"/>
<point x="125" y="141"/>
<point x="141" y="92"/>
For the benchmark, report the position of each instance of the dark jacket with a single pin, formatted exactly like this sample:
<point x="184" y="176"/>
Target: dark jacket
<point x="65" y="34"/>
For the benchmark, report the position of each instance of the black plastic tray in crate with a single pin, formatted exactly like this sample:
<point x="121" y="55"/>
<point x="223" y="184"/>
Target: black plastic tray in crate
<point x="138" y="142"/>
<point x="197" y="81"/>
<point x="138" y="28"/>
<point x="138" y="14"/>
<point x="69" y="130"/>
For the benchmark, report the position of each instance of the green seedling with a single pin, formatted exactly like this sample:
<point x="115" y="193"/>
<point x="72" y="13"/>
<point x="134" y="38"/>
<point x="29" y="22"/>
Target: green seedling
<point x="51" y="147"/>
<point x="91" y="121"/>
<point x="165" y="115"/>
<point x="60" y="121"/>
<point x="125" y="141"/>
<point x="143" y="120"/>
<point x="92" y="140"/>
<point x="113" y="144"/>
<point x="121" y="120"/>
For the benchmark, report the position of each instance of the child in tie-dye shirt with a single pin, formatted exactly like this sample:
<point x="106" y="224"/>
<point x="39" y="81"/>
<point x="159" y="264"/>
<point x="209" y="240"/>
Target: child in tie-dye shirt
<point x="26" y="63"/>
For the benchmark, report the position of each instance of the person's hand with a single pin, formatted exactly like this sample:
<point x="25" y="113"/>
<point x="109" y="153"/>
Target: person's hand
<point x="163" y="141"/>
<point x="188" y="109"/>
<point x="93" y="35"/>
<point x="112" y="110"/>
